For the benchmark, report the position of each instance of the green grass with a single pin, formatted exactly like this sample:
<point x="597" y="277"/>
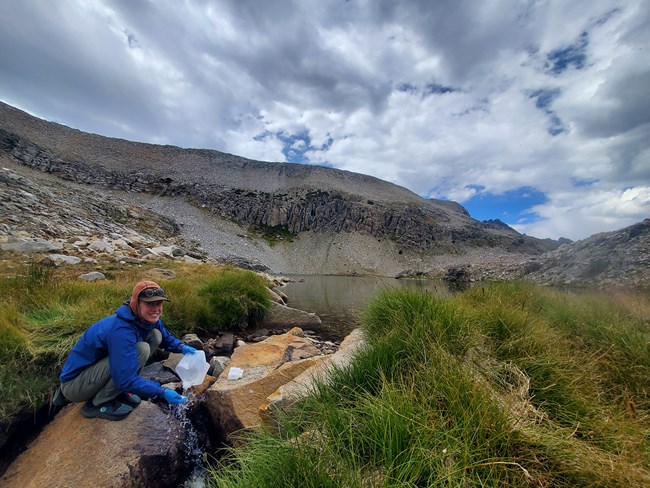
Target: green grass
<point x="507" y="384"/>
<point x="236" y="298"/>
<point x="43" y="311"/>
<point x="274" y="234"/>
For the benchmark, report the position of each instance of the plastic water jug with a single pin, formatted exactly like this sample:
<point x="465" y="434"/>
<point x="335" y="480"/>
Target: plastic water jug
<point x="192" y="369"/>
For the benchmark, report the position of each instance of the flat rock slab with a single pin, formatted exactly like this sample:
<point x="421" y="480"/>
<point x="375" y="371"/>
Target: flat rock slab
<point x="142" y="450"/>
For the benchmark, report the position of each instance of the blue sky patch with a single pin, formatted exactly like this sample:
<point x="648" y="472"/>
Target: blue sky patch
<point x="294" y="146"/>
<point x="435" y="88"/>
<point x="512" y="207"/>
<point x="429" y="89"/>
<point x="407" y="87"/>
<point x="543" y="100"/>
<point x="559" y="60"/>
<point x="544" y="97"/>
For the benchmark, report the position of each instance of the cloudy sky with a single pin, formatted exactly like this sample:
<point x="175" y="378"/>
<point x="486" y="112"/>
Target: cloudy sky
<point x="534" y="112"/>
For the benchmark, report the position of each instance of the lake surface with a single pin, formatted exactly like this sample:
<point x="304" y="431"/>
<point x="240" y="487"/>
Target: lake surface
<point x="340" y="300"/>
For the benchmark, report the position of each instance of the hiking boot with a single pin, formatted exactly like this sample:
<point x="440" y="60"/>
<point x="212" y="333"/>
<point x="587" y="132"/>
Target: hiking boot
<point x="59" y="400"/>
<point x="130" y="399"/>
<point x="112" y="410"/>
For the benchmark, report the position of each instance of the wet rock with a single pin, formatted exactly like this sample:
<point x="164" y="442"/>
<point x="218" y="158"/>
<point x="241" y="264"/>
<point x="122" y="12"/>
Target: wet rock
<point x="143" y="450"/>
<point x="157" y="372"/>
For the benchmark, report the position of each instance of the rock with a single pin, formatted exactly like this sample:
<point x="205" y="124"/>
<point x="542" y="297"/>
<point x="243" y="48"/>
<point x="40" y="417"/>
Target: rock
<point x="458" y="274"/>
<point x="143" y="450"/>
<point x="234" y="404"/>
<point x="101" y="246"/>
<point x="166" y="251"/>
<point x="619" y="257"/>
<point x="172" y="361"/>
<point x="193" y="341"/>
<point x="275" y="297"/>
<point x="217" y="365"/>
<point x="282" y="295"/>
<point x="243" y="263"/>
<point x="161" y="273"/>
<point x="224" y="344"/>
<point x="88" y="225"/>
<point x="128" y="259"/>
<point x="257" y="334"/>
<point x="59" y="259"/>
<point x="190" y="260"/>
<point x="195" y="393"/>
<point x="38" y="245"/>
<point x="304" y="383"/>
<point x="93" y="276"/>
<point x="281" y="316"/>
<point x="157" y="372"/>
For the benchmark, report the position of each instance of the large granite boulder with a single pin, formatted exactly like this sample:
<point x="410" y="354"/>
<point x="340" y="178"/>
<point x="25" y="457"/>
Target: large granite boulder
<point x="276" y="372"/>
<point x="143" y="450"/>
<point x="233" y="404"/>
<point x="304" y="383"/>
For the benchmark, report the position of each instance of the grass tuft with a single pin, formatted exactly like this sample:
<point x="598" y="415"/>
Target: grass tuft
<point x="237" y="298"/>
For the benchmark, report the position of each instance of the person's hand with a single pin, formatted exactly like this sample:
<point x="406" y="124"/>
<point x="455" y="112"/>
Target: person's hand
<point x="188" y="350"/>
<point x="172" y="397"/>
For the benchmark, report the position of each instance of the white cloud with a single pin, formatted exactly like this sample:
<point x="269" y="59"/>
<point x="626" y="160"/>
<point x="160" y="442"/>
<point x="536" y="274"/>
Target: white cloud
<point x="595" y="211"/>
<point x="435" y="96"/>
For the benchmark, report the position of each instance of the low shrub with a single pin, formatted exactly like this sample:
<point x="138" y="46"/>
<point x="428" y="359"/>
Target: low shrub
<point x="236" y="298"/>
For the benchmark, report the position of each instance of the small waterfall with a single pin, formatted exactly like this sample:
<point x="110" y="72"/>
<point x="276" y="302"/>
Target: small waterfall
<point x="193" y="451"/>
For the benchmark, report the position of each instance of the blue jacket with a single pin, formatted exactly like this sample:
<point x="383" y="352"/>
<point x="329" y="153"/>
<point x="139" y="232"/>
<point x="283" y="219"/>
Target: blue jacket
<point x="116" y="337"/>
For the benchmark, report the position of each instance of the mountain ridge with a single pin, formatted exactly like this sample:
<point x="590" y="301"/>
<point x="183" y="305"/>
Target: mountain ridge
<point x="346" y="223"/>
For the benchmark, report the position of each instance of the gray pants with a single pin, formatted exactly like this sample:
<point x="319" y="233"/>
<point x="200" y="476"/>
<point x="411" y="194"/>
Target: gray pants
<point x="95" y="381"/>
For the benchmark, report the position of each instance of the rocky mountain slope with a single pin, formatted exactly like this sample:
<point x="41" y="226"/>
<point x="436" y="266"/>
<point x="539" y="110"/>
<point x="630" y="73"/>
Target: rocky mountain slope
<point x="315" y="219"/>
<point x="285" y="218"/>
<point x="620" y="257"/>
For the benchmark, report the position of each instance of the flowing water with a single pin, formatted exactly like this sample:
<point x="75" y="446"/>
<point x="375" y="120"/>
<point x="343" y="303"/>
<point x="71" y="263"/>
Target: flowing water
<point x="193" y="450"/>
